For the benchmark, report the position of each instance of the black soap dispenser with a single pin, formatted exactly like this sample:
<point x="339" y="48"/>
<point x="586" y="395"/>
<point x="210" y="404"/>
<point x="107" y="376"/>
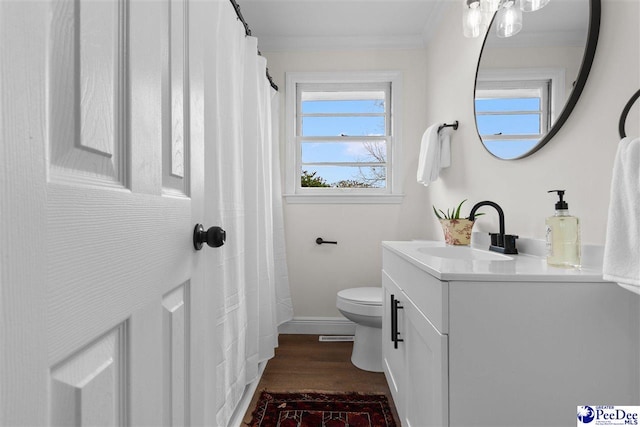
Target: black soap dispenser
<point x="563" y="235"/>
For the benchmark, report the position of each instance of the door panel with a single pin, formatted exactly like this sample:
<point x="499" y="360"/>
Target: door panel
<point x="87" y="81"/>
<point x="175" y="324"/>
<point x="176" y="134"/>
<point x="89" y="387"/>
<point x="99" y="130"/>
<point x="110" y="255"/>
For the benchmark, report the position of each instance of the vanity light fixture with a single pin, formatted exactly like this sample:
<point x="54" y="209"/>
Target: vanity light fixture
<point x="472" y="19"/>
<point x="509" y="19"/>
<point x="489" y="6"/>
<point x="477" y="15"/>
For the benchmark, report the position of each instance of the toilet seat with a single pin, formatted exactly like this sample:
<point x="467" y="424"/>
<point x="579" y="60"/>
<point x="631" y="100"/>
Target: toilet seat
<point x="365" y="296"/>
<point x="365" y="301"/>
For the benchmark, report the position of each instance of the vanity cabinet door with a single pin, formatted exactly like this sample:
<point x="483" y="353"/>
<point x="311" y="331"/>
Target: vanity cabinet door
<point x="393" y="359"/>
<point x="414" y="360"/>
<point x="426" y="397"/>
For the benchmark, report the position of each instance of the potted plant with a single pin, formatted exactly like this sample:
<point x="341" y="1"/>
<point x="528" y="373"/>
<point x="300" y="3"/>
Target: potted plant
<point x="457" y="231"/>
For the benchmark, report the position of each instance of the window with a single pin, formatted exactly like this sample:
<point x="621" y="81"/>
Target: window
<point x="342" y="137"/>
<point x="512" y="116"/>
<point x="516" y="107"/>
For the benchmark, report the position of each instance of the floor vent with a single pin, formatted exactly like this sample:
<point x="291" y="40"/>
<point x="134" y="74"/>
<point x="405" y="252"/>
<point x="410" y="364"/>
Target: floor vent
<point x="336" y="338"/>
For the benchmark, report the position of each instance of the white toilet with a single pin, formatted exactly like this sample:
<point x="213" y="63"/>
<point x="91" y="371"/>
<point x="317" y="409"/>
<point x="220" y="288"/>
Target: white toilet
<point x="363" y="306"/>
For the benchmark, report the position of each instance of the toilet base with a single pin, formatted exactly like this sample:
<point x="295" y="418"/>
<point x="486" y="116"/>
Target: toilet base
<point x="367" y="348"/>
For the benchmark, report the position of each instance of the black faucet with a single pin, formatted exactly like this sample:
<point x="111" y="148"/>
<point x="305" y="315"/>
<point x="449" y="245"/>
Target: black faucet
<point x="500" y="242"/>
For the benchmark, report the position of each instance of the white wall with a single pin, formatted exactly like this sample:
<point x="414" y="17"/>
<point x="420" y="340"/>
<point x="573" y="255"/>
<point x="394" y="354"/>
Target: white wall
<point x="438" y="86"/>
<point x="568" y="58"/>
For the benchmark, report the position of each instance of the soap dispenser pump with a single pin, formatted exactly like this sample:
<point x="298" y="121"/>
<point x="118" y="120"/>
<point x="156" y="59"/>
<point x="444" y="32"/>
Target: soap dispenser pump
<point x="563" y="235"/>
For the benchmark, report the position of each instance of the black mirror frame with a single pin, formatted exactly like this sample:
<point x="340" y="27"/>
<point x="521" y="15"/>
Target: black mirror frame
<point x="585" y="67"/>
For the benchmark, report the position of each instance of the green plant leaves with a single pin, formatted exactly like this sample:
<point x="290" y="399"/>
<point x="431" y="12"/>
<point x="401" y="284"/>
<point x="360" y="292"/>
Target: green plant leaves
<point x="436" y="212"/>
<point x="457" y="214"/>
<point x="453" y="213"/>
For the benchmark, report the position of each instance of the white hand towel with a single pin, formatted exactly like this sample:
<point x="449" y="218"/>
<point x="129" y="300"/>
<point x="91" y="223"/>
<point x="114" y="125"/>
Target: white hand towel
<point x="445" y="147"/>
<point x="622" y="245"/>
<point x="435" y="154"/>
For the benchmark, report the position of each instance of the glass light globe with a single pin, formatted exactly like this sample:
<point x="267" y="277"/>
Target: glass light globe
<point x="472" y="19"/>
<point x="489" y="5"/>
<point x="509" y="19"/>
<point x="532" y="5"/>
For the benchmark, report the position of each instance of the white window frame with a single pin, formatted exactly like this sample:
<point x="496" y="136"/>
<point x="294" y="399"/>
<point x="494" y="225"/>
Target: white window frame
<point x="294" y="193"/>
<point x="517" y="89"/>
<point x="555" y="75"/>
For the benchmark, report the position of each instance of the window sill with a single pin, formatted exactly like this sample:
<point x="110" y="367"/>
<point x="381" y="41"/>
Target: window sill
<point x="344" y="198"/>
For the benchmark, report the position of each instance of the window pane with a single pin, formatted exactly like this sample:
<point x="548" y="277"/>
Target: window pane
<point x="510" y="149"/>
<point x="365" y="151"/>
<point x="360" y="106"/>
<point x="343" y="177"/>
<point x="509" y="124"/>
<point x="345" y="126"/>
<point x="507" y="104"/>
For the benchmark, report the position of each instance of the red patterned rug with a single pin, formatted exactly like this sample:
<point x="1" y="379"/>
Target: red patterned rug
<point x="322" y="410"/>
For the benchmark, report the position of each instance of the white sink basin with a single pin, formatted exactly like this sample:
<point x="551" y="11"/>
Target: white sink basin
<point x="463" y="253"/>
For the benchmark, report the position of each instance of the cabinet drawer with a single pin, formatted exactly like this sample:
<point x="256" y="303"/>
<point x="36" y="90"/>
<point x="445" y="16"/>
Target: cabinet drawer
<point x="430" y="295"/>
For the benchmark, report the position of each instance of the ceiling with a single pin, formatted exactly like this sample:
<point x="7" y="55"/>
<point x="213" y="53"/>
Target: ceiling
<point x="322" y="24"/>
<point x="343" y="24"/>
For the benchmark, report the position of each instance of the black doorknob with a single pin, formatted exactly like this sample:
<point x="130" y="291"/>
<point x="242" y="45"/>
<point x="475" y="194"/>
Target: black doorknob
<point x="214" y="237"/>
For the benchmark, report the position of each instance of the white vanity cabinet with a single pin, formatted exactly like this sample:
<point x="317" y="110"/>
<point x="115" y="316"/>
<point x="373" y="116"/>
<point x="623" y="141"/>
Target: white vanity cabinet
<point x="505" y="352"/>
<point x="414" y="359"/>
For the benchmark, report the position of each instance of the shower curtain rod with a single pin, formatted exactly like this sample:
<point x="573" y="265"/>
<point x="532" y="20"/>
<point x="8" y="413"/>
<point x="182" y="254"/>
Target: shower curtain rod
<point x="247" y="31"/>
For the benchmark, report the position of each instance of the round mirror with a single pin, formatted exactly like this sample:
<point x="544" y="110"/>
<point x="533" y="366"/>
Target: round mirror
<point x="527" y="84"/>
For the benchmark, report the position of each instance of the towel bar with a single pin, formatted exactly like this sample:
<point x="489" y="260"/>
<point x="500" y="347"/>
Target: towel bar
<point x="625" y="113"/>
<point x="320" y="241"/>
<point x="447" y="125"/>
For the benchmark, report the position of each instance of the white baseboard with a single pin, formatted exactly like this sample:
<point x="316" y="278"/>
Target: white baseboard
<point x="318" y="326"/>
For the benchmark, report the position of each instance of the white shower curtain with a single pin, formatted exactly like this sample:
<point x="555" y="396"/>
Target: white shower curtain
<point x="249" y="272"/>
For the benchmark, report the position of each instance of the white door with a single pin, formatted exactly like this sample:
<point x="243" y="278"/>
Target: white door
<point x="101" y="186"/>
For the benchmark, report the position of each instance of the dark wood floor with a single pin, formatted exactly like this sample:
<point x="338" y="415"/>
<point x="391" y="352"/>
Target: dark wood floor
<point x="302" y="363"/>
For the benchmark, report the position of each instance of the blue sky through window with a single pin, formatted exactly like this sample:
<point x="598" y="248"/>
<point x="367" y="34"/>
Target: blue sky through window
<point x="341" y="126"/>
<point x="507" y="104"/>
<point x="509" y="124"/>
<point x="522" y="116"/>
<point x="313" y="151"/>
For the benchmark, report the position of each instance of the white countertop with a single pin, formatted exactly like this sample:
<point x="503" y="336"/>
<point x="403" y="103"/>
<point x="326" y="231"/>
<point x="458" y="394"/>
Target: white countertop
<point x="522" y="267"/>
